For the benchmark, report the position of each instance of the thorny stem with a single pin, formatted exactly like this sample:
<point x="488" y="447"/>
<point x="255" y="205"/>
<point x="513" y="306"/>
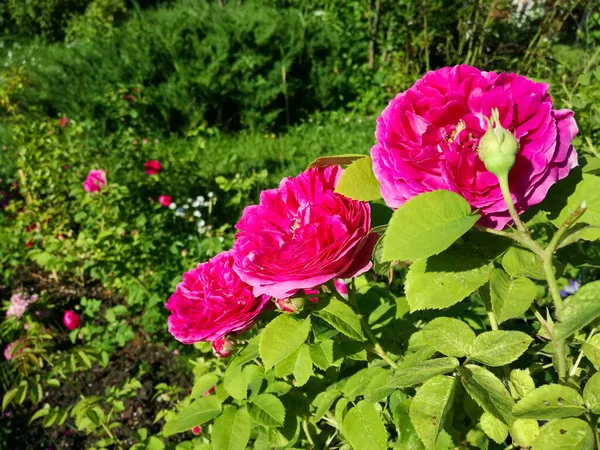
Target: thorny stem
<point x="547" y="254"/>
<point x="365" y="326"/>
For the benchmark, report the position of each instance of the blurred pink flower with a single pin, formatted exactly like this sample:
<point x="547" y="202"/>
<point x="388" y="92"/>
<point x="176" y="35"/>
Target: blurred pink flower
<point x="63" y="122"/>
<point x="71" y="320"/>
<point x="197" y="430"/>
<point x="95" y="181"/>
<point x="10" y="352"/>
<point x="152" y="167"/>
<point x="302" y="235"/>
<point x="19" y="302"/>
<point x="164" y="200"/>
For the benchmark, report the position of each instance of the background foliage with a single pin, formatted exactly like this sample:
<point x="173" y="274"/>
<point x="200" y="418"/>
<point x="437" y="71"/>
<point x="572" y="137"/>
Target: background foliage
<point x="230" y="96"/>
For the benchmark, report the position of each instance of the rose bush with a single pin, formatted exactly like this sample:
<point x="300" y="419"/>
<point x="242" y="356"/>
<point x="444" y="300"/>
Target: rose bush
<point x="427" y="139"/>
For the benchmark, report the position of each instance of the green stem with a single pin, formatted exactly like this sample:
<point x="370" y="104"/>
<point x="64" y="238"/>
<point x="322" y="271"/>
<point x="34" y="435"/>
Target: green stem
<point x="549" y="254"/>
<point x="365" y="326"/>
<point x="511" y="206"/>
<point x="307" y="433"/>
<point x="574" y="368"/>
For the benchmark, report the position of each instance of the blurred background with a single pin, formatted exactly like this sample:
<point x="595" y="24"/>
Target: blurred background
<point x="228" y="96"/>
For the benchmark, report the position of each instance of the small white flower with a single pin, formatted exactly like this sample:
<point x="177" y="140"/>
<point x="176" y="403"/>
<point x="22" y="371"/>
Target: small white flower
<point x="201" y="223"/>
<point x="196" y="204"/>
<point x="210" y="195"/>
<point x="200" y="198"/>
<point x="172" y="206"/>
<point x="220" y="238"/>
<point x="186" y="206"/>
<point x="197" y="213"/>
<point x="189" y="200"/>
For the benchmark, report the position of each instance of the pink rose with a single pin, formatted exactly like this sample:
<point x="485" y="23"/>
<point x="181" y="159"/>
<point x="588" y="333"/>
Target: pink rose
<point x="152" y="167"/>
<point x="428" y="136"/>
<point x="223" y="347"/>
<point x="164" y="200"/>
<point x="302" y="235"/>
<point x="212" y="301"/>
<point x="71" y="320"/>
<point x="63" y="122"/>
<point x="10" y="351"/>
<point x="95" y="181"/>
<point x="197" y="430"/>
<point x="19" y="302"/>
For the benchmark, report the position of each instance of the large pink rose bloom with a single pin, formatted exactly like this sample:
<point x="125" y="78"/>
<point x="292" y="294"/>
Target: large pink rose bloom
<point x="95" y="181"/>
<point x="302" y="234"/>
<point x="211" y="302"/>
<point x="427" y="139"/>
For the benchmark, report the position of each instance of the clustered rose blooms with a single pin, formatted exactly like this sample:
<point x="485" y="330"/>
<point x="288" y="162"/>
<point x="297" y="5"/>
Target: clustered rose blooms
<point x="71" y="320"/>
<point x="152" y="167"/>
<point x="164" y="200"/>
<point x="19" y="302"/>
<point x="212" y="302"/>
<point x="95" y="181"/>
<point x="427" y="139"/>
<point x="302" y="235"/>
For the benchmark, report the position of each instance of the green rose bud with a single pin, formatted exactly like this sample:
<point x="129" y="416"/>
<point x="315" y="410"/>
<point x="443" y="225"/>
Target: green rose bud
<point x="498" y="147"/>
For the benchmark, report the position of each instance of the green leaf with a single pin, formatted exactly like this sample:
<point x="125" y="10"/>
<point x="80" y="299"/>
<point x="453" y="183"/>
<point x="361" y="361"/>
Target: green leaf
<point x="498" y="348"/>
<point x="510" y="297"/>
<point x="358" y="383"/>
<point x="379" y="387"/>
<point x="267" y="410"/>
<point x="488" y="391"/>
<point x="8" y="397"/>
<point x="40" y="413"/>
<point x="321" y="354"/>
<point x="579" y="310"/>
<point x="282" y="337"/>
<point x="591" y="393"/>
<point x="588" y="190"/>
<point x="364" y="428"/>
<point x="231" y="430"/>
<point x="341" y="317"/>
<point x="445" y="279"/>
<point x="155" y="443"/>
<point x="340" y="160"/>
<point x="408" y="439"/>
<point x="451" y="337"/>
<point x="565" y="434"/>
<point x="53" y="382"/>
<point x="380" y="266"/>
<point x="323" y="402"/>
<point x="494" y="428"/>
<point x="551" y="401"/>
<point x="51" y="417"/>
<point x="427" y="225"/>
<point x="524" y="432"/>
<point x="591" y="350"/>
<point x="429" y="408"/>
<point x="419" y="372"/>
<point x="235" y="383"/>
<point x="85" y="359"/>
<point x="298" y="363"/>
<point x="521" y="382"/>
<point x="203" y="384"/>
<point x="200" y="411"/>
<point x="519" y="262"/>
<point x="358" y="181"/>
<point x="247" y="354"/>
